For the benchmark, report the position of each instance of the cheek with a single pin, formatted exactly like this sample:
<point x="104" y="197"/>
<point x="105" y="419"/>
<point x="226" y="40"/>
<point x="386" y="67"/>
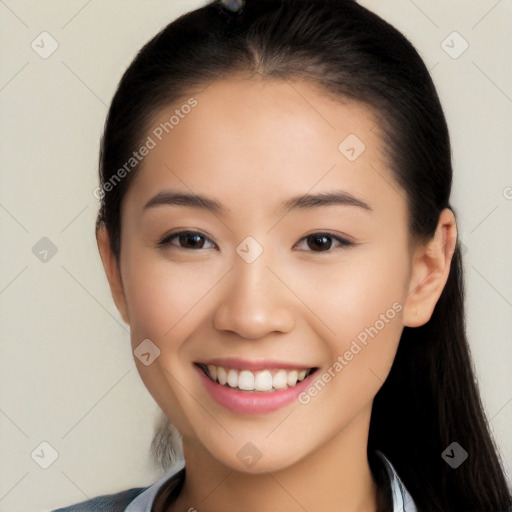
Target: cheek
<point x="362" y="305"/>
<point x="162" y="296"/>
<point x="161" y="302"/>
<point x="371" y="328"/>
<point x="355" y="295"/>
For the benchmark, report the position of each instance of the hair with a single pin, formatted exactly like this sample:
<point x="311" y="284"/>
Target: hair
<point x="430" y="398"/>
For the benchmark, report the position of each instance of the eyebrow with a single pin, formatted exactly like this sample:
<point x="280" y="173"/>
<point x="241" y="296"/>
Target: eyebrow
<point x="338" y="197"/>
<point x="302" y="202"/>
<point x="170" y="198"/>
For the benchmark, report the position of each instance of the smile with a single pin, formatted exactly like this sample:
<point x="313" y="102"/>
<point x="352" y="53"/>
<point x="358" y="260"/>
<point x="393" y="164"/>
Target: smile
<point x="266" y="380"/>
<point x="245" y="387"/>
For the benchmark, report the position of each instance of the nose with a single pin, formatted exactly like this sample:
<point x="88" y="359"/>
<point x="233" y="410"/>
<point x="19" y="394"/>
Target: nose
<point x="255" y="302"/>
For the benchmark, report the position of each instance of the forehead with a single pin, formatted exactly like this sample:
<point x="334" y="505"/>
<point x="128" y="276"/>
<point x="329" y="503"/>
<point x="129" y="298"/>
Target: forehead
<point x="258" y="141"/>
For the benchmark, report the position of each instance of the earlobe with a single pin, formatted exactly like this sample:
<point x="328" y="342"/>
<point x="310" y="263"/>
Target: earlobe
<point x="113" y="272"/>
<point x="430" y="271"/>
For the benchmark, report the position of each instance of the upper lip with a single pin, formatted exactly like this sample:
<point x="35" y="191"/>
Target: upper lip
<point x="246" y="364"/>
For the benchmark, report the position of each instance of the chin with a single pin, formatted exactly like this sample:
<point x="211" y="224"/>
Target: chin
<point x="255" y="458"/>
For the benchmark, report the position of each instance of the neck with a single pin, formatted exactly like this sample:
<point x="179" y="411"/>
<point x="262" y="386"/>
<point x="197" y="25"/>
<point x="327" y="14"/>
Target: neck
<point x="335" y="476"/>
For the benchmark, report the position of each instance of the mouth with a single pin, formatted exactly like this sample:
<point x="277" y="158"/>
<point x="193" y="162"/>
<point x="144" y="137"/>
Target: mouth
<point x="264" y="380"/>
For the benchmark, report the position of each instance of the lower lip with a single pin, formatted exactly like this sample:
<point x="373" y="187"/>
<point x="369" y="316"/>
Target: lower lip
<point x="252" y="402"/>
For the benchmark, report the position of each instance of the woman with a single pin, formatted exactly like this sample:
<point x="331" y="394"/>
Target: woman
<point x="276" y="229"/>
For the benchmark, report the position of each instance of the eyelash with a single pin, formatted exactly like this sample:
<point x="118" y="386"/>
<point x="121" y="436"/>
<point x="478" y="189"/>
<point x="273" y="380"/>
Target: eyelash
<point x="342" y="241"/>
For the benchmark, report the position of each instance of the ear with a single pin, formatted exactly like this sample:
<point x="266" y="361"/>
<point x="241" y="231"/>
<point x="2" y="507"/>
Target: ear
<point x="430" y="270"/>
<point x="112" y="270"/>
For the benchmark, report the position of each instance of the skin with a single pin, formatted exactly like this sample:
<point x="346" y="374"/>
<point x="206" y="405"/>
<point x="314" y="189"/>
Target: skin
<point x="291" y="304"/>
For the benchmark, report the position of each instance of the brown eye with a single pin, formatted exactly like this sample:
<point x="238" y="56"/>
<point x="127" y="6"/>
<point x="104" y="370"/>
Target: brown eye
<point x="323" y="242"/>
<point x="189" y="240"/>
<point x="319" y="242"/>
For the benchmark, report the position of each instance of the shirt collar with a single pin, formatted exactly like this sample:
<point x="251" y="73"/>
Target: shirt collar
<point x="144" y="501"/>
<point x="402" y="500"/>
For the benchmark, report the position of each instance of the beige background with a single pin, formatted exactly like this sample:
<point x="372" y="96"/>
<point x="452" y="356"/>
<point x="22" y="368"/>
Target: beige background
<point x="67" y="376"/>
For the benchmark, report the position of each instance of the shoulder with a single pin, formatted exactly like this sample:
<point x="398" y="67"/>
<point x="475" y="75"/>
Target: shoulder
<point x="105" y="503"/>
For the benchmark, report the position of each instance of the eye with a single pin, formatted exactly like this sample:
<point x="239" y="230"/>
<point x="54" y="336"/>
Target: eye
<point x="189" y="240"/>
<point x="322" y="242"/>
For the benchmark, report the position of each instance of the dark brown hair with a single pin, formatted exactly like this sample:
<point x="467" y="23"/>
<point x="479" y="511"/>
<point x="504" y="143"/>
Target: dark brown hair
<point x="430" y="398"/>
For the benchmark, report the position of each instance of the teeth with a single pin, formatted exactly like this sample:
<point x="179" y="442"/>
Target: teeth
<point x="212" y="370"/>
<point x="262" y="380"/>
<point x="233" y="378"/>
<point x="279" y="380"/>
<point x="245" y="380"/>
<point x="291" y="378"/>
<point x="222" y="376"/>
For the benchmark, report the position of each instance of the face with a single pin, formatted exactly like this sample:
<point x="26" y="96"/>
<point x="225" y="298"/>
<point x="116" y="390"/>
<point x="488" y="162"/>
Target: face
<point x="299" y="298"/>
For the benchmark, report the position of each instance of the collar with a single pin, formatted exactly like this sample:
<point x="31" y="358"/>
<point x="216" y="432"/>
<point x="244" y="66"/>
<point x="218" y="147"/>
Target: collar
<point x="402" y="500"/>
